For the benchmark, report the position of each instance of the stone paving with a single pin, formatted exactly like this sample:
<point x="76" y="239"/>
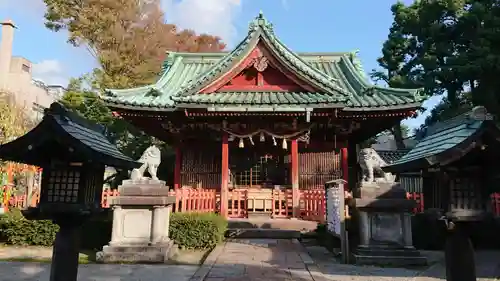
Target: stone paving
<point x="16" y="271"/>
<point x="487" y="268"/>
<point x="257" y="260"/>
<point x="270" y="259"/>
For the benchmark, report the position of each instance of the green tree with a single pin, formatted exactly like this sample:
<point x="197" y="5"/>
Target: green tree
<point x="85" y="101"/>
<point x="396" y="71"/>
<point x="14" y="122"/>
<point x="129" y="38"/>
<point x="451" y="51"/>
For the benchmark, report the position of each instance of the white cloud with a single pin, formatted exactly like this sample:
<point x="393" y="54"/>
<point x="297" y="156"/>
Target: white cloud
<point x="285" y="5"/>
<point x="214" y="17"/>
<point x="50" y="72"/>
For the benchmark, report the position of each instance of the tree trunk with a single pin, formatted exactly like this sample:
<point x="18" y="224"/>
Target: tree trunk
<point x="398" y="136"/>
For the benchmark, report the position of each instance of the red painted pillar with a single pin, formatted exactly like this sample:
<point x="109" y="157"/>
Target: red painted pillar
<point x="178" y="167"/>
<point x="295" y="178"/>
<point x="225" y="175"/>
<point x="345" y="166"/>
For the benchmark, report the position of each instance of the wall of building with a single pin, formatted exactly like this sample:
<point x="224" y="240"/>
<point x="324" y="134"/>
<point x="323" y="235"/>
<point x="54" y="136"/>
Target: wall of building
<point x="16" y="77"/>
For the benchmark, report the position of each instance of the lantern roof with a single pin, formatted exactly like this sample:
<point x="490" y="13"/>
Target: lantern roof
<point x="64" y="136"/>
<point x="448" y="141"/>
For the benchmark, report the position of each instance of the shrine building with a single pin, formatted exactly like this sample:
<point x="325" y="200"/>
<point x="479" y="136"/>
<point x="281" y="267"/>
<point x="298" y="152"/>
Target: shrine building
<point x="263" y="118"/>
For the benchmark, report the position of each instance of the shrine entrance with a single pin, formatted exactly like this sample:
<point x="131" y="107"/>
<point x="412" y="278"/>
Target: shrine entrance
<point x="259" y="179"/>
<point x="262" y="126"/>
<point x="259" y="167"/>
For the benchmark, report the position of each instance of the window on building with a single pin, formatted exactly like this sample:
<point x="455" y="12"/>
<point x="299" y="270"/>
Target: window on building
<point x="38" y="111"/>
<point x="26" y="68"/>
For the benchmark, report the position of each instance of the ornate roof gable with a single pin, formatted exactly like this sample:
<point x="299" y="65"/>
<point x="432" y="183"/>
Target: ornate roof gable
<point x="318" y="80"/>
<point x="263" y="47"/>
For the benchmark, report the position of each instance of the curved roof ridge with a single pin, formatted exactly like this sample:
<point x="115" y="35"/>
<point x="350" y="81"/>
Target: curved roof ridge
<point x="347" y="61"/>
<point x="262" y="29"/>
<point x="305" y="68"/>
<point x="201" y="80"/>
<point x="160" y="83"/>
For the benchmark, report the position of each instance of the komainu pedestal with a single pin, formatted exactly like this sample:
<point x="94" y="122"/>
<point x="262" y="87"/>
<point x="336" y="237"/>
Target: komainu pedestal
<point x="385" y="226"/>
<point x="141" y="216"/>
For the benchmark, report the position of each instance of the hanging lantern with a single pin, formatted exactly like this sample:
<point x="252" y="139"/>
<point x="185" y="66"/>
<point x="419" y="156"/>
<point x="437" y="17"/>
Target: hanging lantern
<point x="242" y="144"/>
<point x="251" y="140"/>
<point x="262" y="137"/>
<point x="274" y="141"/>
<point x="285" y="145"/>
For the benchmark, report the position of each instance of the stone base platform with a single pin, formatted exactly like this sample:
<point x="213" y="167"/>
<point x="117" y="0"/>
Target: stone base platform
<point x="141" y="220"/>
<point x="137" y="254"/>
<point x="380" y="255"/>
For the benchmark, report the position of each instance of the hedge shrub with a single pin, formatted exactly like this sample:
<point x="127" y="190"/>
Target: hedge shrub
<point x="197" y="230"/>
<point x="188" y="230"/>
<point x="17" y="230"/>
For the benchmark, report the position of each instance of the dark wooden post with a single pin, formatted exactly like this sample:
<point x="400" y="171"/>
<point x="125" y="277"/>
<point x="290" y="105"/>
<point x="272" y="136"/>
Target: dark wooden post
<point x="178" y="166"/>
<point x="351" y="165"/>
<point x="295" y="177"/>
<point x="224" y="176"/>
<point x="65" y="252"/>
<point x="459" y="254"/>
<point x="345" y="165"/>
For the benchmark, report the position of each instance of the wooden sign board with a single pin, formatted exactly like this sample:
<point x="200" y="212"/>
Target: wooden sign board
<point x="335" y="215"/>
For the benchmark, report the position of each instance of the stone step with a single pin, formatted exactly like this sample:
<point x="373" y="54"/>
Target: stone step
<point x="259" y="215"/>
<point x="262" y="233"/>
<point x="135" y="249"/>
<point x="137" y="254"/>
<point x="390" y="260"/>
<point x="387" y="252"/>
<point x="267" y="223"/>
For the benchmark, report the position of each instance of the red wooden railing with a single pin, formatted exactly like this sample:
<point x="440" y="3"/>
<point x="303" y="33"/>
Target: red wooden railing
<point x="312" y="204"/>
<point x="419" y="199"/>
<point x="237" y="206"/>
<point x="495" y="203"/>
<point x="186" y="199"/>
<point x="282" y="202"/>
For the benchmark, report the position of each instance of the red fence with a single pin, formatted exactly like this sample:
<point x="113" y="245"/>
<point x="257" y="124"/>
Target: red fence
<point x="279" y="203"/>
<point x="200" y="200"/>
<point x="495" y="203"/>
<point x="419" y="199"/>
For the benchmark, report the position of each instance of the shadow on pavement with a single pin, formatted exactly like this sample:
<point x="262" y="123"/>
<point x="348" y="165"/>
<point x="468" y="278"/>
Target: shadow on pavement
<point x="257" y="260"/>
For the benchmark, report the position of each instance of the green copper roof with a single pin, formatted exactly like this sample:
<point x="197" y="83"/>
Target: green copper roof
<point x="67" y="130"/>
<point x="260" y="98"/>
<point x="439" y="139"/>
<point x="338" y="76"/>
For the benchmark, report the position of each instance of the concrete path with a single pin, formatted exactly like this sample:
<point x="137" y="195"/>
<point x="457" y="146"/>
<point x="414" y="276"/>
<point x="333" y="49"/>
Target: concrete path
<point x="271" y="259"/>
<point x="487" y="268"/>
<point x="257" y="260"/>
<point x="16" y="271"/>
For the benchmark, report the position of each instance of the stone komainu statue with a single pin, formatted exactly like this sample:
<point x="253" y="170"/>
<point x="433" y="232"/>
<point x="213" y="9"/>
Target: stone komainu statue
<point x="371" y="165"/>
<point x="150" y="159"/>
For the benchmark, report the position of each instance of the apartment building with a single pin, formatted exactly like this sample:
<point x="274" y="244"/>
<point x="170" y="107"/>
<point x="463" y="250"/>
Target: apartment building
<point x="16" y="77"/>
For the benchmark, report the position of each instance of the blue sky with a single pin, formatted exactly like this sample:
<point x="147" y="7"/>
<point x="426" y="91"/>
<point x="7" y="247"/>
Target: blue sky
<point x="303" y="25"/>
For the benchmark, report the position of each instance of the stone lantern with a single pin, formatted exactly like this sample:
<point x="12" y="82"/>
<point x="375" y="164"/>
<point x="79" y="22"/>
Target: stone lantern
<point x="71" y="188"/>
<point x="73" y="153"/>
<point x="458" y="161"/>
